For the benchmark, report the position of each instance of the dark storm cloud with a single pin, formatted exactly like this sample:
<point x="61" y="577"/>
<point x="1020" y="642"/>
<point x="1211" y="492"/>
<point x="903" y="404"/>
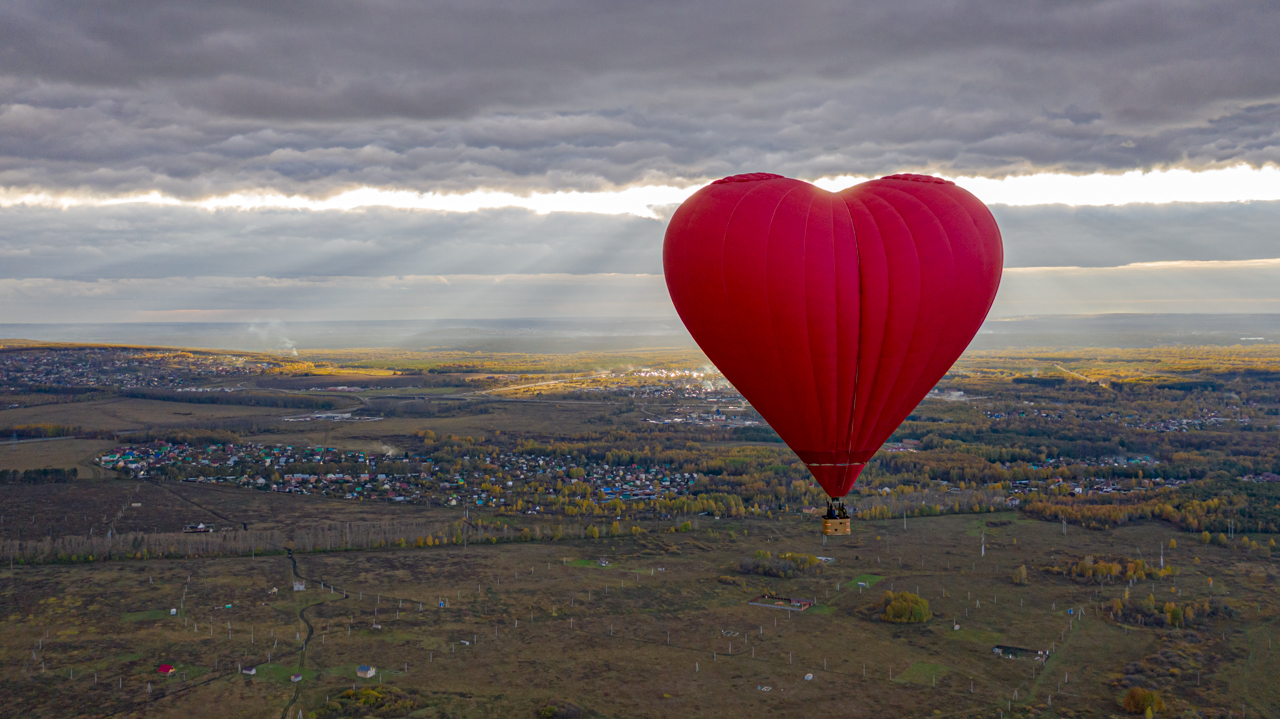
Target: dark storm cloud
<point x="196" y="98"/>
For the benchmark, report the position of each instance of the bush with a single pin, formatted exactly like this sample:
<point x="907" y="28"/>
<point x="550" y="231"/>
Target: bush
<point x="1139" y="700"/>
<point x="786" y="565"/>
<point x="560" y="710"/>
<point x="905" y="608"/>
<point x="1020" y="575"/>
<point x="373" y="700"/>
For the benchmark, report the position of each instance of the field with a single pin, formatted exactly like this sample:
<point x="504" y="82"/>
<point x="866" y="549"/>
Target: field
<point x="544" y="628"/>
<point x="75" y="509"/>
<point x="530" y="625"/>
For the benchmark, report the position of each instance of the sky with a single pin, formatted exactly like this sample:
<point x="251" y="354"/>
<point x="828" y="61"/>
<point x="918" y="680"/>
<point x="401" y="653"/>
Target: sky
<point x="294" y="161"/>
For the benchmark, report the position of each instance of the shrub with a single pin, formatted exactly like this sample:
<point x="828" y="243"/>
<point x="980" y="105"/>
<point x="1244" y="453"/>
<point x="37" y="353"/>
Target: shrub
<point x="560" y="710"/>
<point x="905" y="608"/>
<point x="787" y="564"/>
<point x="1020" y="575"/>
<point x="1139" y="700"/>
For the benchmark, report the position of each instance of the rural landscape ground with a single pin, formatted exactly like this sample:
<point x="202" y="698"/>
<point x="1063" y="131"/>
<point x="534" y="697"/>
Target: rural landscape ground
<point x="583" y="535"/>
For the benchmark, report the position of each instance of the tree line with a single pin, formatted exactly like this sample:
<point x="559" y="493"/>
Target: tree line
<point x="50" y="475"/>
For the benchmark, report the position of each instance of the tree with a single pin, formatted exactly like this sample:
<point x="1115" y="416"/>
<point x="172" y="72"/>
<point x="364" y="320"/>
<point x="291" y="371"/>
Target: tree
<point x="1173" y="544"/>
<point x="905" y="608"/>
<point x="1020" y="575"/>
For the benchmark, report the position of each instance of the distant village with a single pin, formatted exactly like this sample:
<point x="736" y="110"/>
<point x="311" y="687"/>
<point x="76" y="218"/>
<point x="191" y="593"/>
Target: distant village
<point x="502" y="481"/>
<point x="120" y="368"/>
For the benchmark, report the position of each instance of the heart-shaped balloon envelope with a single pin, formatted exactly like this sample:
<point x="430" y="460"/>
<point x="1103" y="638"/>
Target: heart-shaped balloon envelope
<point x="834" y="314"/>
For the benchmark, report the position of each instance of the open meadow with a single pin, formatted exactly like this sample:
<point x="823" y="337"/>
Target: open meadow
<point x="664" y="628"/>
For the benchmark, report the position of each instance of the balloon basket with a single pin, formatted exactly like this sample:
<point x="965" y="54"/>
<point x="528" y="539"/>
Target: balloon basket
<point x="836" y="527"/>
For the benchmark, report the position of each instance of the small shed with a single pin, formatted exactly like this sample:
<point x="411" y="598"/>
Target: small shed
<point x="295" y="678"/>
<point x="366" y="672"/>
<point x="249" y="670"/>
<point x="166" y="670"/>
<point x="300" y="586"/>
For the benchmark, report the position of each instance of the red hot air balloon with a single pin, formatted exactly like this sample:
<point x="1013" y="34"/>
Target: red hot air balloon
<point x="834" y="314"/>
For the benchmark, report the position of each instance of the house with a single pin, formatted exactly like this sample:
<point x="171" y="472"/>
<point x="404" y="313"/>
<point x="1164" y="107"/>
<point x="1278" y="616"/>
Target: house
<point x="295" y="678"/>
<point x="366" y="672"/>
<point x="167" y="670"/>
<point x="249" y="670"/>
<point x="300" y="586"/>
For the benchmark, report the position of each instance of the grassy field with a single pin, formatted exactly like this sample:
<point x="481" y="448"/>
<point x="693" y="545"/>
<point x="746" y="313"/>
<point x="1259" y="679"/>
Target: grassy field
<point x="121" y="414"/>
<point x="652" y="634"/>
<point x="36" y="511"/>
<point x="62" y="453"/>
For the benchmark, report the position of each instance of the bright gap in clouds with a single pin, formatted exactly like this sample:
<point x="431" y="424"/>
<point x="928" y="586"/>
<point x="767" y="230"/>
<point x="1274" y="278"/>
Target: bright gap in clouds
<point x="1235" y="184"/>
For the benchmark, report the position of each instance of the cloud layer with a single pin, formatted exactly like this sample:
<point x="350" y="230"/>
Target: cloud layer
<point x="187" y="101"/>
<point x="203" y="98"/>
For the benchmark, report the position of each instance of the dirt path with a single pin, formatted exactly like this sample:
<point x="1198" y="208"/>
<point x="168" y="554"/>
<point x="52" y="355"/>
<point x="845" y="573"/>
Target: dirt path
<point x="302" y="654"/>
